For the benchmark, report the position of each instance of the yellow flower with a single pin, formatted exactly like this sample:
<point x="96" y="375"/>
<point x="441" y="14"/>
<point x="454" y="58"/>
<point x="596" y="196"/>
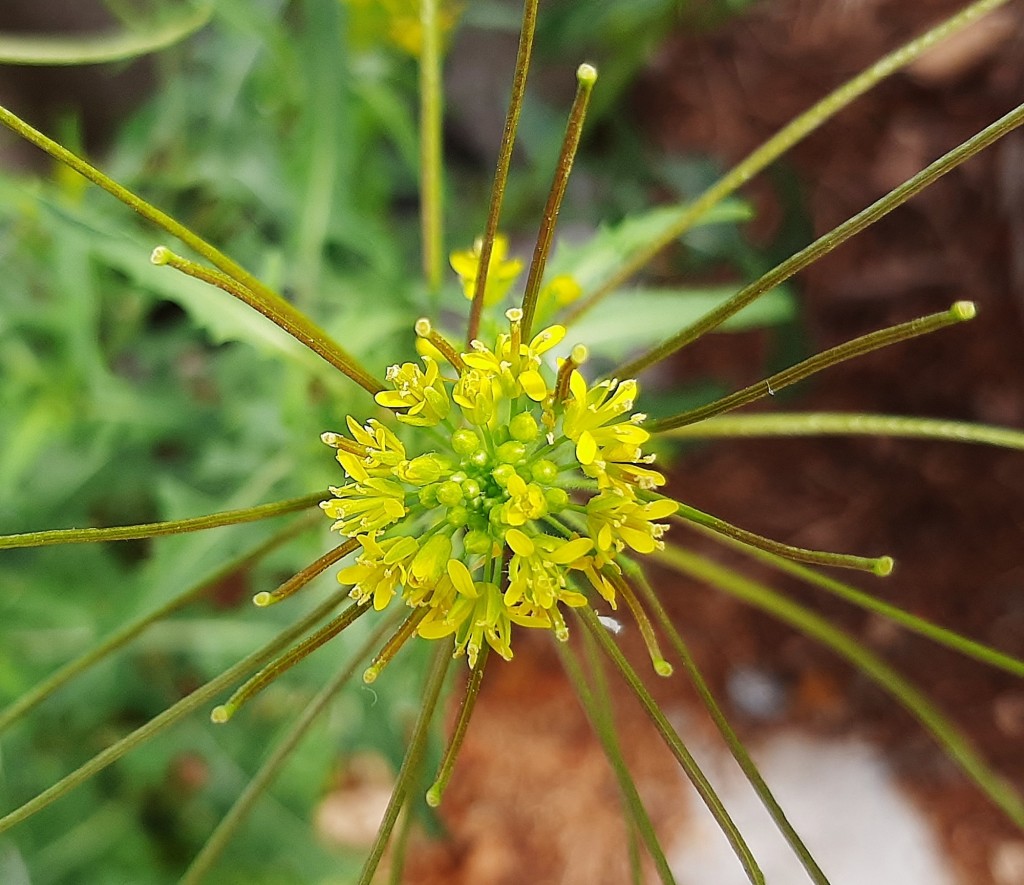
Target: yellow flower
<point x="423" y="394"/>
<point x="362" y="508"/>
<point x="537" y="572"/>
<point x="616" y="519"/>
<point x="382" y="566"/>
<point x="474" y="620"/>
<point x="501" y="272"/>
<point x="396" y="22"/>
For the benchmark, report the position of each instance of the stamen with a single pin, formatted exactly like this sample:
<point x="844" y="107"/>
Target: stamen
<point x="444" y="771"/>
<point x="286" y="661"/>
<point x="586" y="77"/>
<point x="425" y="329"/>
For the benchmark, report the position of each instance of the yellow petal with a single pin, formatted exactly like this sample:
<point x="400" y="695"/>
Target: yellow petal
<point x="519" y="542"/>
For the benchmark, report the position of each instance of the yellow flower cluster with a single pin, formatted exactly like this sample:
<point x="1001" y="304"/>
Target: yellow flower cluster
<point x="535" y="485"/>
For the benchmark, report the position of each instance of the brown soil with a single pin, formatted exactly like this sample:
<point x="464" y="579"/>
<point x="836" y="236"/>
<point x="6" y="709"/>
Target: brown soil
<point x="531" y="800"/>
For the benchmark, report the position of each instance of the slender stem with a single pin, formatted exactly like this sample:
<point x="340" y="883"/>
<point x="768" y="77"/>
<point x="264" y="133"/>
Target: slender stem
<point x="394" y="644"/>
<point x="827" y="242"/>
<point x="958" y="313"/>
<point x="300" y="579"/>
<point x="280" y="312"/>
<point x="274" y="306"/>
<point x="675" y="745"/>
<point x="156" y="529"/>
<point x="127" y="632"/>
<point x="284" y="662"/>
<point x="466" y="708"/>
<point x="586" y="76"/>
<point x="941" y="635"/>
<point x="431" y="159"/>
<point x="877" y="565"/>
<point x="171" y="715"/>
<point x="597" y="707"/>
<point x="425" y="329"/>
<point x="211" y="851"/>
<point x="411" y="762"/>
<point x="849" y="424"/>
<point x="508" y="138"/>
<point x="732" y="740"/>
<point x="782" y="141"/>
<point x="910" y="698"/>
<point x="650" y="638"/>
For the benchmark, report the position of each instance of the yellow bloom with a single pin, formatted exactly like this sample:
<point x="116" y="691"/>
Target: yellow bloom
<point x="382" y="566"/>
<point x="474" y="620"/>
<point x="422" y="394"/>
<point x="537" y="572"/>
<point x="616" y="519"/>
<point x="501" y="271"/>
<point x="362" y="508"/>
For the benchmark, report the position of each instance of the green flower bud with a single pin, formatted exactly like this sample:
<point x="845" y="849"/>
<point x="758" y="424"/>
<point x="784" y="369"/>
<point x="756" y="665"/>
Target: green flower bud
<point x="457" y="516"/>
<point x="511" y="452"/>
<point x="544" y="471"/>
<point x="556" y="498"/>
<point x="428" y="496"/>
<point x="523" y="427"/>
<point x="465" y="441"/>
<point x="503" y="473"/>
<point x="470" y="489"/>
<point x="477" y="542"/>
<point x="449" y="493"/>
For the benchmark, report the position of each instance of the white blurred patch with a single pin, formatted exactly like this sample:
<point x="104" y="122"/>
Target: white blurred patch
<point x="840" y="798"/>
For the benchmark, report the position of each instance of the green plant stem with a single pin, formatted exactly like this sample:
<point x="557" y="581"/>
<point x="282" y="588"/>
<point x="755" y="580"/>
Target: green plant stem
<point x="281" y="313"/>
<point x="877" y="565"/>
<point x="127" y="632"/>
<point x="732" y="740"/>
<point x="941" y="635"/>
<point x="781" y="142"/>
<point x="264" y="777"/>
<point x="675" y="745"/>
<point x="300" y="579"/>
<point x="276" y="308"/>
<point x="284" y="662"/>
<point x="156" y="529"/>
<point x="466" y="708"/>
<point x="431" y="160"/>
<point x="827" y="242"/>
<point x="586" y="76"/>
<point x="597" y="707"/>
<point x="411" y="763"/>
<point x="171" y="715"/>
<point x="90" y="49"/>
<point x="849" y="424"/>
<point x="959" y="312"/>
<point x="910" y="698"/>
<point x="508" y="139"/>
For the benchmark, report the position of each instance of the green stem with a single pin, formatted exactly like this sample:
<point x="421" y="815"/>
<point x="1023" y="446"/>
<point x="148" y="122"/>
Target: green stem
<point x="171" y="715"/>
<point x="264" y="777"/>
<point x="466" y="708"/>
<point x="284" y="662"/>
<point x="732" y="740"/>
<point x="508" y="139"/>
<point x="829" y="241"/>
<point x="910" y="698"/>
<point x="431" y="159"/>
<point x="675" y="745"/>
<point x="849" y="424"/>
<point x="156" y="529"/>
<point x="300" y="579"/>
<point x="127" y="632"/>
<point x="941" y="635"/>
<point x="411" y="762"/>
<point x="586" y="76"/>
<point x="280" y="312"/>
<point x="782" y="141"/>
<point x="958" y="313"/>
<point x="274" y="306"/>
<point x="877" y="565"/>
<point x="597" y="707"/>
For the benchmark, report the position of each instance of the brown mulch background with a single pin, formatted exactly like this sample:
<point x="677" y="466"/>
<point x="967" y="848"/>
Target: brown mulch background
<point x="532" y="800"/>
